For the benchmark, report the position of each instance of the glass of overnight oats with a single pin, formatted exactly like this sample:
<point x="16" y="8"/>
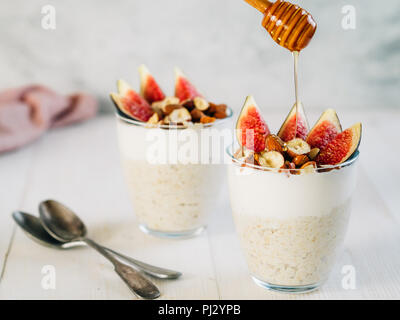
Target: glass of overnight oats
<point x="291" y="195"/>
<point x="169" y="160"/>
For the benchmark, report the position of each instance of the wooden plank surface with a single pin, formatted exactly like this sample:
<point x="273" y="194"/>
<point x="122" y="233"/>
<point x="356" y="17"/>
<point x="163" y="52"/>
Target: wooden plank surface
<point x="80" y="166"/>
<point x="14" y="176"/>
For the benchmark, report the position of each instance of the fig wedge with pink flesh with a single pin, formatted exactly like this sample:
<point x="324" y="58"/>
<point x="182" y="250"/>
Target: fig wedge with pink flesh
<point x="149" y="88"/>
<point x="325" y="130"/>
<point x="184" y="90"/>
<point x="131" y="103"/>
<point x="342" y="147"/>
<point x="251" y="128"/>
<point x="288" y="130"/>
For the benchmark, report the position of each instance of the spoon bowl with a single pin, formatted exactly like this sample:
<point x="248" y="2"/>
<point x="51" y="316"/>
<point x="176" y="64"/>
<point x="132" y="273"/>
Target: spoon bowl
<point x="33" y="228"/>
<point x="64" y="225"/>
<point x="61" y="222"/>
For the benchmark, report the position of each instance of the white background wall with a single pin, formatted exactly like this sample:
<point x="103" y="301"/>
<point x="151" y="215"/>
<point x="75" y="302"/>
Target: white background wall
<point x="220" y="44"/>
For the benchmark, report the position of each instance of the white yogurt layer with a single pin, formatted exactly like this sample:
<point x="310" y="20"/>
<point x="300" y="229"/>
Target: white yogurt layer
<point x="279" y="195"/>
<point x="195" y="144"/>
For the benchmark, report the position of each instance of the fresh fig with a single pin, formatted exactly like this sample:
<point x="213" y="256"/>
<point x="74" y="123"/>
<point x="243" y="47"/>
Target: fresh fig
<point x="288" y="130"/>
<point x="342" y="147"/>
<point x="251" y="128"/>
<point x="184" y="90"/>
<point x="325" y="130"/>
<point x="131" y="103"/>
<point x="149" y="88"/>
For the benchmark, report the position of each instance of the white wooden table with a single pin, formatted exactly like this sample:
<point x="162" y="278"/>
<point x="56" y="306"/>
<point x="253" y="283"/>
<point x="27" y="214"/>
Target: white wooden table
<point x="80" y="166"/>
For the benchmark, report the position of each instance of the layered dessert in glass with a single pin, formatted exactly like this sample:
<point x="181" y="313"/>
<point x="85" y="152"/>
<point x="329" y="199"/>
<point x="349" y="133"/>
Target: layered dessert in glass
<point x="168" y="156"/>
<point x="291" y="195"/>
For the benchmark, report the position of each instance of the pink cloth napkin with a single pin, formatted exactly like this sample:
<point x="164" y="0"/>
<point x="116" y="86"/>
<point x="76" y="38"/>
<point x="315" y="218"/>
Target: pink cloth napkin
<point x="27" y="112"/>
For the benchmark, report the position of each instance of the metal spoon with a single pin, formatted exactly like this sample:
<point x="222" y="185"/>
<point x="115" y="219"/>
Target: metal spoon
<point x="64" y="225"/>
<point x="34" y="229"/>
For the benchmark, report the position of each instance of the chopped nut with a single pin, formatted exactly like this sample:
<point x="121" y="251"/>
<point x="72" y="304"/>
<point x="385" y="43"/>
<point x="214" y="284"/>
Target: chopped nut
<point x="272" y="159"/>
<point x="300" y="160"/>
<point x="220" y="115"/>
<point x="313" y="153"/>
<point x="289" y="165"/>
<point x="274" y="143"/>
<point x="217" y="110"/>
<point x="171" y="107"/>
<point x="207" y="119"/>
<point x="309" y="166"/>
<point x="201" y="104"/>
<point x="160" y="105"/>
<point x="196" y="115"/>
<point x="179" y="116"/>
<point x="153" y="119"/>
<point x="297" y="147"/>
<point x="165" y="120"/>
<point x="188" y="104"/>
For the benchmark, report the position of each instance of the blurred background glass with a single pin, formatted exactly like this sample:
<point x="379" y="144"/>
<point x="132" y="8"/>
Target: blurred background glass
<point x="219" y="44"/>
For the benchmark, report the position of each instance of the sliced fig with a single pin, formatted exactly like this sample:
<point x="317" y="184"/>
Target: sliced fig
<point x="251" y="128"/>
<point x="184" y="90"/>
<point x="131" y="103"/>
<point x="326" y="128"/>
<point x="149" y="88"/>
<point x="342" y="147"/>
<point x="288" y="128"/>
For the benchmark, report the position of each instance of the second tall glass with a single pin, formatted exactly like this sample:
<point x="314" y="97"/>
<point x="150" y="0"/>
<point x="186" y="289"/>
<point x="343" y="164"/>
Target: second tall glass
<point x="171" y="173"/>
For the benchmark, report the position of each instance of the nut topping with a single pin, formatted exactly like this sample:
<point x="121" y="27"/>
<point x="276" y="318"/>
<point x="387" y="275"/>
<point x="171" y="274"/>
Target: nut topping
<point x="274" y="143"/>
<point x="207" y="119"/>
<point x="179" y="116"/>
<point x="201" y="104"/>
<point x="300" y="160"/>
<point x="171" y="107"/>
<point x="297" y="147"/>
<point x="313" y="153"/>
<point x="153" y="119"/>
<point x="309" y="166"/>
<point x="272" y="159"/>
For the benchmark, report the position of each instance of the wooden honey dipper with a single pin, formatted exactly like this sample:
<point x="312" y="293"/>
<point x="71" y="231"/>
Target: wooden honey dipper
<point x="289" y="25"/>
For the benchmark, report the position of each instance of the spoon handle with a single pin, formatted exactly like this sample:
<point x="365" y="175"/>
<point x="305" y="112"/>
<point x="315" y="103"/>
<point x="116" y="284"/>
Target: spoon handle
<point x="138" y="284"/>
<point x="149" y="269"/>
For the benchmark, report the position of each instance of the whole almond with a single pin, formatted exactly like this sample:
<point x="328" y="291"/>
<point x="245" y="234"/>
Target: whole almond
<point x="274" y="143"/>
<point x="171" y="107"/>
<point x="220" y="114"/>
<point x="300" y="160"/>
<point x="217" y="108"/>
<point x="196" y="115"/>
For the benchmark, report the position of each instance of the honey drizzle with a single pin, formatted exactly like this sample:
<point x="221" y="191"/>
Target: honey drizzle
<point x="296" y="86"/>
